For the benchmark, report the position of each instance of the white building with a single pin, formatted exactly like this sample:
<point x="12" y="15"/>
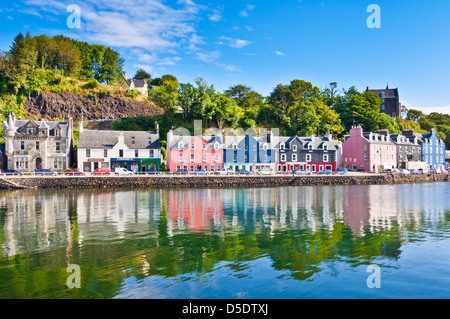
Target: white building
<point x="137" y="151"/>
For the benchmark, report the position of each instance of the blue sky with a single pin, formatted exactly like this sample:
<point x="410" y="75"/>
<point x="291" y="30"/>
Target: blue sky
<point x="262" y="43"/>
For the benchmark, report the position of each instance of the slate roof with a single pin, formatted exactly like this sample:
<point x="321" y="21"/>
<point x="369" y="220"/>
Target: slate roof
<point x="22" y="125"/>
<point x="98" y="139"/>
<point x="388" y="93"/>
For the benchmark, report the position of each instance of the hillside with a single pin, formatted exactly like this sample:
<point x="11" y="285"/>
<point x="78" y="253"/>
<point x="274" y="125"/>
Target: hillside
<point x="51" y="105"/>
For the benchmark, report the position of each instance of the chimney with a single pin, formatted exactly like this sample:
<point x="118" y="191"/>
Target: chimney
<point x="157" y="127"/>
<point x="121" y="138"/>
<point x="408" y="132"/>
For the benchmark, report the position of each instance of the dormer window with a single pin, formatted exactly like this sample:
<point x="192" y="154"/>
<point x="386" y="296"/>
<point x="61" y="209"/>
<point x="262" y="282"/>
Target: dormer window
<point x="180" y="145"/>
<point x="282" y="146"/>
<point x="325" y="147"/>
<point x="310" y="147"/>
<point x="294" y="148"/>
<point x="235" y="146"/>
<point x="216" y="146"/>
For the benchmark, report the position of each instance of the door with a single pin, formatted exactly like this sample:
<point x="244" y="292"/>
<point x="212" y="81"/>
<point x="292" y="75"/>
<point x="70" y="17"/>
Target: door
<point x="38" y="163"/>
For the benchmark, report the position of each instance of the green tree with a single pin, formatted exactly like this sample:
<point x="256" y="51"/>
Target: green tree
<point x="143" y="75"/>
<point x="414" y="115"/>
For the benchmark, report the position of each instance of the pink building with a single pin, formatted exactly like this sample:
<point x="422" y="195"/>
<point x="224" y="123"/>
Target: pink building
<point x="194" y="152"/>
<point x="369" y="152"/>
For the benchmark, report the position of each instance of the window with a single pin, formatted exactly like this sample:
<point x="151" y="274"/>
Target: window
<point x="235" y="158"/>
<point x="180" y="157"/>
<point x="308" y="157"/>
<point x="265" y="158"/>
<point x="234" y="146"/>
<point x="310" y="146"/>
<point x="193" y="146"/>
<point x="325" y="147"/>
<point x="282" y="146"/>
<point x="294" y="157"/>
<point x="219" y="167"/>
<point x="283" y="157"/>
<point x="216" y="157"/>
<point x="321" y="168"/>
<point x="22" y="145"/>
<point x="192" y="157"/>
<point x="254" y="158"/>
<point x="204" y="146"/>
<point x="216" y="146"/>
<point x="279" y="168"/>
<point x="365" y="148"/>
<point x="120" y="153"/>
<point x="326" y="157"/>
<point x="37" y="146"/>
<point x="181" y="145"/>
<point x="105" y="153"/>
<point x="152" y="153"/>
<point x="132" y="140"/>
<point x="88" y="153"/>
<point x="246" y="147"/>
<point x="191" y="168"/>
<point x="294" y="148"/>
<point x="58" y="147"/>
<point x="382" y="106"/>
<point x="313" y="168"/>
<point x="136" y="153"/>
<point x="178" y="167"/>
<point x="204" y="157"/>
<point x="212" y="168"/>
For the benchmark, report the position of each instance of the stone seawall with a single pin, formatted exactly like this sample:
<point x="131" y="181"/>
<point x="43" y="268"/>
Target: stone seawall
<point x="209" y="181"/>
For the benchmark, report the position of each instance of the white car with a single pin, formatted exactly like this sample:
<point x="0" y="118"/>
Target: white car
<point x="122" y="171"/>
<point x="224" y="171"/>
<point x="404" y="171"/>
<point x="264" y="172"/>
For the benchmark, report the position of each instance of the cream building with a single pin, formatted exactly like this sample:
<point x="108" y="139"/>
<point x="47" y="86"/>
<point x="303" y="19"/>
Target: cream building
<point x="31" y="144"/>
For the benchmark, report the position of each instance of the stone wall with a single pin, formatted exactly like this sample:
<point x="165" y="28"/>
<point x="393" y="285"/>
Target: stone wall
<point x="209" y="181"/>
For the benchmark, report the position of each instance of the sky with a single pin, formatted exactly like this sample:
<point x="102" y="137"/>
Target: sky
<point x="262" y="43"/>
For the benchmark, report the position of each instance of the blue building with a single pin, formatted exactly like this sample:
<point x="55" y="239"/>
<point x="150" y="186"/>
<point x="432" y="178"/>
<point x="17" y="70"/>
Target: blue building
<point x="433" y="150"/>
<point x="249" y="153"/>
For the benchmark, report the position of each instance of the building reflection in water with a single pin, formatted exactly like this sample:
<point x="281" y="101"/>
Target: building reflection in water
<point x="44" y="220"/>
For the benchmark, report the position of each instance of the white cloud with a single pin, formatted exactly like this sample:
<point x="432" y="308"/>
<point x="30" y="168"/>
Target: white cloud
<point x="431" y="109"/>
<point x="208" y="56"/>
<point x="246" y="11"/>
<point x="280" y="53"/>
<point x="215" y="17"/>
<point x="234" y="43"/>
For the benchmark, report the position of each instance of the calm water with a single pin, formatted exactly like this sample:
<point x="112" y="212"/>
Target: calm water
<point x="293" y="242"/>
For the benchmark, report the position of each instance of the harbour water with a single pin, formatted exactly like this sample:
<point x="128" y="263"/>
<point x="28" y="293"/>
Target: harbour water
<point x="285" y="242"/>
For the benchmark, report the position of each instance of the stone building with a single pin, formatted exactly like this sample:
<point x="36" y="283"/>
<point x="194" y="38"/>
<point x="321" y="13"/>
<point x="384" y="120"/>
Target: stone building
<point x="390" y="101"/>
<point x="409" y="151"/>
<point x="31" y="145"/>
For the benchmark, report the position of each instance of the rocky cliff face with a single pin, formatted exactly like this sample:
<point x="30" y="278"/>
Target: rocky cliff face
<point x="48" y="106"/>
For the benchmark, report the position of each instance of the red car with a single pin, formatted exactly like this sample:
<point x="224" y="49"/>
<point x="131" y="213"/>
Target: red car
<point x="102" y="171"/>
<point x="73" y="172"/>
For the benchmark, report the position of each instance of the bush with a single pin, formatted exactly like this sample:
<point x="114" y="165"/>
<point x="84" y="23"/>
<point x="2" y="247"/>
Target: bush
<point x="92" y="84"/>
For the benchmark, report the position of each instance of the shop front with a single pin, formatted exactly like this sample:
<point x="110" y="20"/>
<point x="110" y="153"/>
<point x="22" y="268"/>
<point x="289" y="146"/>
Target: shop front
<point x="150" y="164"/>
<point x="94" y="163"/>
<point x="131" y="164"/>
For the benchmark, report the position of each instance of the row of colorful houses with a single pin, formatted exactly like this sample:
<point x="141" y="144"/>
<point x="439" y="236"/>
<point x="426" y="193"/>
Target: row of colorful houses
<point x="360" y="151"/>
<point x="32" y="145"/>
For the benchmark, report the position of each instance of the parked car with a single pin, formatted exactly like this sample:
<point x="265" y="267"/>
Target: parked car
<point x="404" y="171"/>
<point x="181" y="172"/>
<point x="102" y="171"/>
<point x="224" y="171"/>
<point x="325" y="172"/>
<point x="264" y="172"/>
<point x="122" y="171"/>
<point x="46" y="172"/>
<point x="153" y="172"/>
<point x="201" y="172"/>
<point x="341" y="170"/>
<point x="415" y="171"/>
<point x="12" y="172"/>
<point x="443" y="171"/>
<point x="73" y="172"/>
<point x="302" y="172"/>
<point x="242" y="172"/>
